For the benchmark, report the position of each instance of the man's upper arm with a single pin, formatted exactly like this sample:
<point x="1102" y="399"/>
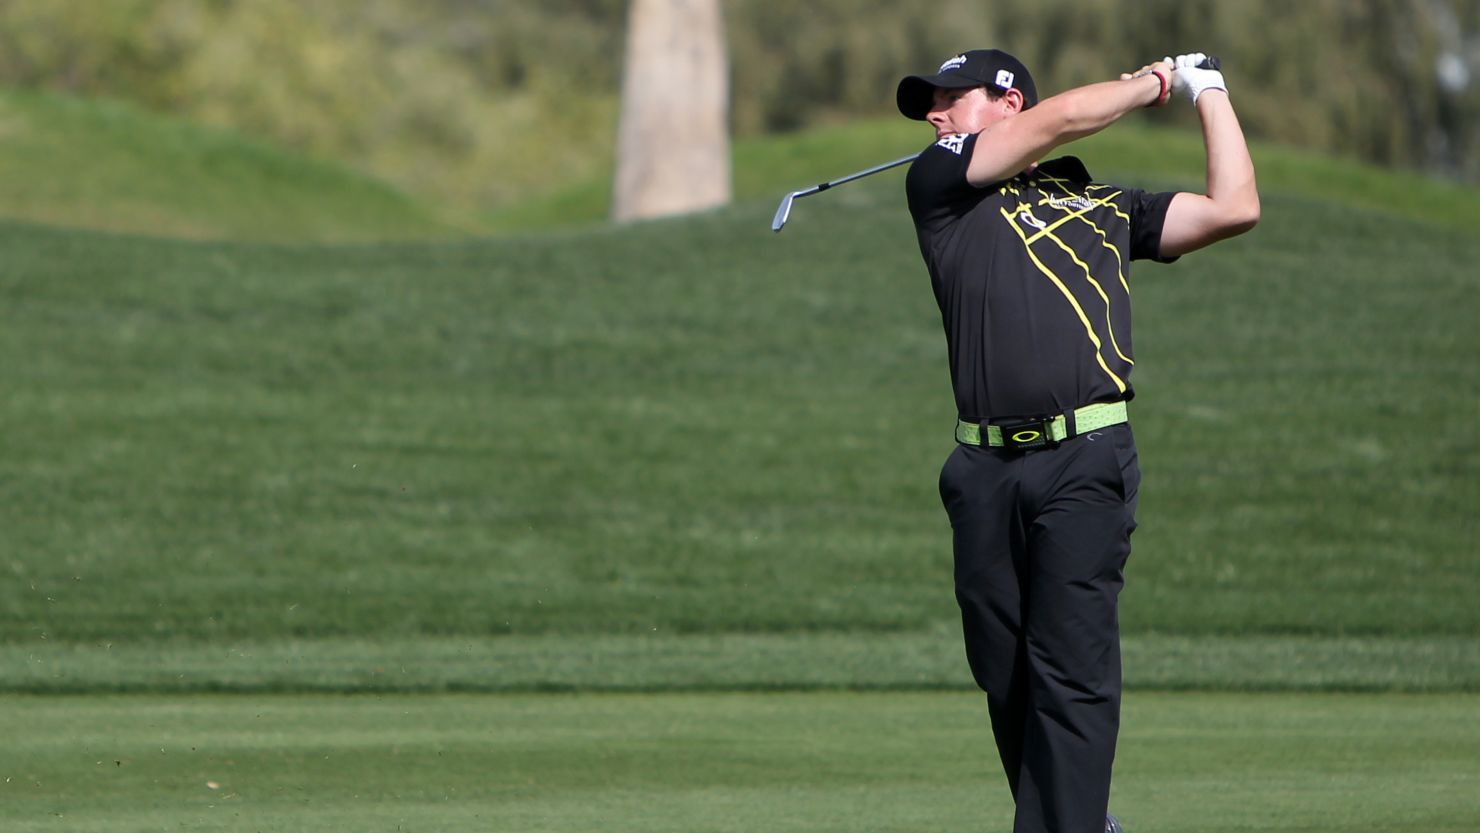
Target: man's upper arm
<point x="1007" y="147"/>
<point x="1194" y="221"/>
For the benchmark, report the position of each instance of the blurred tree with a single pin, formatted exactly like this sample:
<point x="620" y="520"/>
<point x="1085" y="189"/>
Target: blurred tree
<point x="81" y="47"/>
<point x="460" y="98"/>
<point x="800" y="63"/>
<point x="673" y="141"/>
<point x="1357" y="77"/>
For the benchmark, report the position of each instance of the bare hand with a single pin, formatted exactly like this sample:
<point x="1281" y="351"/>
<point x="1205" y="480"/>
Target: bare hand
<point x="1165" y="65"/>
<point x="1163" y="69"/>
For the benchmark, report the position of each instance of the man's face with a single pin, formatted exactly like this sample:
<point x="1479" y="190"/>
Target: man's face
<point x="967" y="110"/>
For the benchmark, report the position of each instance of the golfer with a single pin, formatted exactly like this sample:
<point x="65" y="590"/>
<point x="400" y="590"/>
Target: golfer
<point x="1030" y="263"/>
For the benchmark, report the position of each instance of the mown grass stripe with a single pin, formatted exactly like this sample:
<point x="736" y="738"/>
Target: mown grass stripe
<point x="717" y="662"/>
<point x="880" y="762"/>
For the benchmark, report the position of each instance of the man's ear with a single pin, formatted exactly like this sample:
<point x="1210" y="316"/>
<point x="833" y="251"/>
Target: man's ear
<point x="1014" y="99"/>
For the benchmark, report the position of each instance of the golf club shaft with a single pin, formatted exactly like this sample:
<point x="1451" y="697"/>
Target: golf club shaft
<point x="823" y="186"/>
<point x="783" y="212"/>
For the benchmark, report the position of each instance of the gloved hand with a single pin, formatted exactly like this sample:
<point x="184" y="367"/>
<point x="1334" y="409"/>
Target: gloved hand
<point x="1187" y="77"/>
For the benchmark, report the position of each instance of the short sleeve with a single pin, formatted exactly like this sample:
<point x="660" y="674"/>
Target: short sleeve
<point x="936" y="186"/>
<point x="1148" y="213"/>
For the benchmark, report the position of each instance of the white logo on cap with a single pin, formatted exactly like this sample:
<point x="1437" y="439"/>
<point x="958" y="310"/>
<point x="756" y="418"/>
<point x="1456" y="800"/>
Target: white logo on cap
<point x="1004" y="79"/>
<point x="952" y="63"/>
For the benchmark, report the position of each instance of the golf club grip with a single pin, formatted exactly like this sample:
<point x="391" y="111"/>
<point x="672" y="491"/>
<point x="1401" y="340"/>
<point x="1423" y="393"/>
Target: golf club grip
<point x="1211" y="62"/>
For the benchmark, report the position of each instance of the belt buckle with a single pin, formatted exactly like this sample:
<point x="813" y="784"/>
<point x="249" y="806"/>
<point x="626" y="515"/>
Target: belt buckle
<point x="1028" y="435"/>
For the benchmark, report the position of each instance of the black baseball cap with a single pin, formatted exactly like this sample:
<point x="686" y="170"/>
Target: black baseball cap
<point x="977" y="68"/>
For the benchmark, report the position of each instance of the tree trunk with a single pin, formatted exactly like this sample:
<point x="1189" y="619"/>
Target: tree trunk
<point x="673" y="146"/>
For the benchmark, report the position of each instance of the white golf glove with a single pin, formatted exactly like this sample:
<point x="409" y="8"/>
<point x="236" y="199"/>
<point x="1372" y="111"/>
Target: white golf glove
<point x="1187" y="77"/>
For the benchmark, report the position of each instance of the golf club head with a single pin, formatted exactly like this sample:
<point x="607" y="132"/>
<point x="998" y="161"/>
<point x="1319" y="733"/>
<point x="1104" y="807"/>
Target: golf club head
<point x="783" y="211"/>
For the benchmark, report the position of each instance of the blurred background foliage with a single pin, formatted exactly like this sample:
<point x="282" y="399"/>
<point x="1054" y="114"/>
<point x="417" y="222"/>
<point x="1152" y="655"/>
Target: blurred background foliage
<point x="478" y="102"/>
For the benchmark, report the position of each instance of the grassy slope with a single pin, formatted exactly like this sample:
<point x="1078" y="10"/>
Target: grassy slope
<point x="769" y="167"/>
<point x="695" y="427"/>
<point x="714" y="764"/>
<point x="103" y="165"/>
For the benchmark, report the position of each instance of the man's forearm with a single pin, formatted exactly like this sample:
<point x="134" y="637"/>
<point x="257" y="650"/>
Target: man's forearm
<point x="1094" y="107"/>
<point x="1230" y="168"/>
<point x="1009" y="146"/>
<point x="1230" y="205"/>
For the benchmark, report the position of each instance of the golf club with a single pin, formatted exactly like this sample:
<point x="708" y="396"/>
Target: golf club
<point x="783" y="211"/>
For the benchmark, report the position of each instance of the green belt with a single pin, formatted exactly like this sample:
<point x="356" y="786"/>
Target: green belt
<point x="1086" y="419"/>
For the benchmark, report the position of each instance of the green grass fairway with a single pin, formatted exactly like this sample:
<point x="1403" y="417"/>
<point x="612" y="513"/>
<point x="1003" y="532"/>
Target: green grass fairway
<point x="697" y="427"/>
<point x="727" y="763"/>
<point x="929" y="660"/>
<point x="292" y="464"/>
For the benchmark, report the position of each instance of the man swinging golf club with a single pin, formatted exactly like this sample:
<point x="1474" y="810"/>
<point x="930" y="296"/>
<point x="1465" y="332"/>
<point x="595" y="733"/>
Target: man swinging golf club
<point x="1030" y="265"/>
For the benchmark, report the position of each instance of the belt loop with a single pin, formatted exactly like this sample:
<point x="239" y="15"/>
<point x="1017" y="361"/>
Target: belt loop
<point x="1070" y="428"/>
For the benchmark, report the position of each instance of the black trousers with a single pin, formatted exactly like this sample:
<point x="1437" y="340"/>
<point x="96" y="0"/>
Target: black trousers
<point x="1041" y="539"/>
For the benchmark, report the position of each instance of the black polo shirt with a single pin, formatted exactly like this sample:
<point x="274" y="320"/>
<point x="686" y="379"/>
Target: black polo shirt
<point x="1032" y="278"/>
